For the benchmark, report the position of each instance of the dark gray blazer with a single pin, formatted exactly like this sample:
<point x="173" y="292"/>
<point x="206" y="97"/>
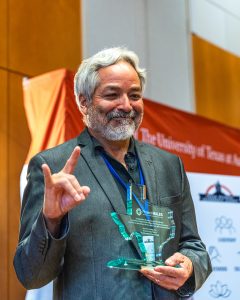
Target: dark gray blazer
<point x="77" y="261"/>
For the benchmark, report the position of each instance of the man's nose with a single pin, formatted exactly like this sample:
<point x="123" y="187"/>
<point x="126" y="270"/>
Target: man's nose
<point x="125" y="103"/>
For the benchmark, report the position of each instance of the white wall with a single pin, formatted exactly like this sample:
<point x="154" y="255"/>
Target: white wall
<point x="170" y="76"/>
<point x="217" y="21"/>
<point x="157" y="30"/>
<point x="109" y="23"/>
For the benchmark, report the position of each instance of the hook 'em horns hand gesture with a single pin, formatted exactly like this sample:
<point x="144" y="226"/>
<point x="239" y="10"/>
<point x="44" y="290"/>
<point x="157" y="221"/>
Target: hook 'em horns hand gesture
<point x="62" y="192"/>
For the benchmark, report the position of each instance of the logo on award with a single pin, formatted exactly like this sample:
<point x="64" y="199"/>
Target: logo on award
<point x="219" y="193"/>
<point x="139" y="211"/>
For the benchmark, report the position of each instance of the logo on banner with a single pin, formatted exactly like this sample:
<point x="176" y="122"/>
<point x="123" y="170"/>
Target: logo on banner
<point x="219" y="290"/>
<point x="214" y="254"/>
<point x="216" y="260"/>
<point x="237" y="268"/>
<point x="224" y="225"/>
<point x="219" y="193"/>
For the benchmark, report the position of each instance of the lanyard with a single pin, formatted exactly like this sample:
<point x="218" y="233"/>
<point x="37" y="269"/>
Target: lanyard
<point x="128" y="188"/>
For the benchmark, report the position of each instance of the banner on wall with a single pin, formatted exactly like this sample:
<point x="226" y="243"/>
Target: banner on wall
<point x="211" y="155"/>
<point x="210" y="152"/>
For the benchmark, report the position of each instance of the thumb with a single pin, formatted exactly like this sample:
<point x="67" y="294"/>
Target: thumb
<point x="85" y="190"/>
<point x="175" y="259"/>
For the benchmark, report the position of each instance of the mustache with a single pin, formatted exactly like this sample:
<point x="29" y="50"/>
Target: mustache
<point x="121" y="114"/>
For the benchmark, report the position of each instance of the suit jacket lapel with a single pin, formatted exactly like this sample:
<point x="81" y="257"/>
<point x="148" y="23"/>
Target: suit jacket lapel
<point x="101" y="173"/>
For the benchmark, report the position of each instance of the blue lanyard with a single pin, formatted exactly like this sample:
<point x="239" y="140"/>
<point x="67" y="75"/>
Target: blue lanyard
<point x="144" y="207"/>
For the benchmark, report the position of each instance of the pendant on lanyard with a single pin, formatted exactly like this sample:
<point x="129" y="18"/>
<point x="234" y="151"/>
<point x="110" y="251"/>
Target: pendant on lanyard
<point x="143" y="202"/>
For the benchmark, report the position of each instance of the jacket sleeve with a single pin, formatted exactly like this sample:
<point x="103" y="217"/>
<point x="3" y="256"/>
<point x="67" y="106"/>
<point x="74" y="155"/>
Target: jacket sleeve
<point x="39" y="256"/>
<point x="191" y="244"/>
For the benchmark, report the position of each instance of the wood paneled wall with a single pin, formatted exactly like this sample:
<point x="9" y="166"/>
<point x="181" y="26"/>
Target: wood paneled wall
<point x="217" y="82"/>
<point x="36" y="37"/>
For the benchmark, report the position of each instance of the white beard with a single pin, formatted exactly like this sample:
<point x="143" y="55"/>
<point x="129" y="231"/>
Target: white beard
<point x="128" y="123"/>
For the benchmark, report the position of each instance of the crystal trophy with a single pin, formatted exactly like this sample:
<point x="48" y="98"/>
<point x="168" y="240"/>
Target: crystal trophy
<point x="151" y="226"/>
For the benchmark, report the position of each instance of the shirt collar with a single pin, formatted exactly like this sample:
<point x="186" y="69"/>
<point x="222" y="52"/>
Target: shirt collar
<point x="97" y="146"/>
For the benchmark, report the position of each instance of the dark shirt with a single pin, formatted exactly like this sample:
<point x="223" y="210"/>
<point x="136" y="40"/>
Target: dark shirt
<point x="129" y="175"/>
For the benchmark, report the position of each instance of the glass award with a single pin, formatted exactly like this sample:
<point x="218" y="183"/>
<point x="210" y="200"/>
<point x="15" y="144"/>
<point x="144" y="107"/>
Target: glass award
<point x="151" y="226"/>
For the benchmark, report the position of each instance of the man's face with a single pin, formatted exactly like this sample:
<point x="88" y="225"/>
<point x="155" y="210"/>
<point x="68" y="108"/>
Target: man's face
<point x="116" y="110"/>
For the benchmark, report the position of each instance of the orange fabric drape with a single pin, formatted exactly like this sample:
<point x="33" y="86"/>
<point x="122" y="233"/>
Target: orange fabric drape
<point x="52" y="114"/>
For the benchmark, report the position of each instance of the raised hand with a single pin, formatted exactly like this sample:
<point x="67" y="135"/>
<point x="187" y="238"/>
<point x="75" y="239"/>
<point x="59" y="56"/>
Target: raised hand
<point x="169" y="276"/>
<point x="62" y="192"/>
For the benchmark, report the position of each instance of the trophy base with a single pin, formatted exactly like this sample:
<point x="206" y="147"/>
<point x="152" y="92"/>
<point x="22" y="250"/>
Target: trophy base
<point x="133" y="264"/>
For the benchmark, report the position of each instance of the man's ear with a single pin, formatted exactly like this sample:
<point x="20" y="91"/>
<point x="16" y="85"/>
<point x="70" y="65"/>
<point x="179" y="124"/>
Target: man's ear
<point x="83" y="104"/>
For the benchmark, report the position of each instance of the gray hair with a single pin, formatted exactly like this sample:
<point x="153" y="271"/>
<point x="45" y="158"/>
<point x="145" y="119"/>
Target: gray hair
<point x="86" y="79"/>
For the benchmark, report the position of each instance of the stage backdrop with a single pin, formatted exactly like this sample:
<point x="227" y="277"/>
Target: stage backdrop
<point x="210" y="152"/>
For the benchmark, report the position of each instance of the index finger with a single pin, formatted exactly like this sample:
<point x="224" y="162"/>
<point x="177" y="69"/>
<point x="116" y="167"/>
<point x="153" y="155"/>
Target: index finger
<point x="72" y="161"/>
<point x="47" y="175"/>
<point x="160" y="271"/>
<point x="169" y="270"/>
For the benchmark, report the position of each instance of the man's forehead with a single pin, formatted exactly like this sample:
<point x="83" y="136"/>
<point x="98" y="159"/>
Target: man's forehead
<point x="115" y="86"/>
<point x="120" y="70"/>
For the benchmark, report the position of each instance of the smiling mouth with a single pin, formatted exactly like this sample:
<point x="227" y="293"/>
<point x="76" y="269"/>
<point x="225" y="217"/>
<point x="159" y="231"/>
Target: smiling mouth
<point x="121" y="118"/>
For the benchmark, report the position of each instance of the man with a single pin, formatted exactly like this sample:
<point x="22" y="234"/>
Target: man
<point x="67" y="234"/>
